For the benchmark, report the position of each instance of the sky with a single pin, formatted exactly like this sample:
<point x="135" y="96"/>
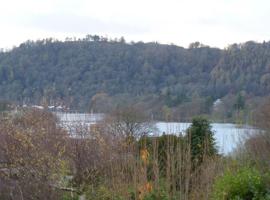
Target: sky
<point x="217" y="23"/>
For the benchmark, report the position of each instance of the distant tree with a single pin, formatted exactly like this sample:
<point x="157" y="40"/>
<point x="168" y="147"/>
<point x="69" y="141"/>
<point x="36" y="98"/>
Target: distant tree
<point x="130" y="122"/>
<point x="101" y="102"/>
<point x="262" y="115"/>
<point x="95" y="38"/>
<point x="4" y="106"/>
<point x="194" y="45"/>
<point x="202" y="142"/>
<point x="96" y="64"/>
<point x="240" y="102"/>
<point x="122" y="40"/>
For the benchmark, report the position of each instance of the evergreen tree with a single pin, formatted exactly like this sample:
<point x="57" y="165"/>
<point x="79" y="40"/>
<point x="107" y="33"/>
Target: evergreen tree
<point x="240" y="102"/>
<point x="202" y="142"/>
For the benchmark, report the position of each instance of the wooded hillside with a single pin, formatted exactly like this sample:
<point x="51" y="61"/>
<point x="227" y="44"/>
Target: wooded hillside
<point x="97" y="72"/>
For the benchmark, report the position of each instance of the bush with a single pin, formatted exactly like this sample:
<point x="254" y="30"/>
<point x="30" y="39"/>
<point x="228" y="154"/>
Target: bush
<point x="156" y="195"/>
<point x="102" y="193"/>
<point x="67" y="196"/>
<point x="244" y="184"/>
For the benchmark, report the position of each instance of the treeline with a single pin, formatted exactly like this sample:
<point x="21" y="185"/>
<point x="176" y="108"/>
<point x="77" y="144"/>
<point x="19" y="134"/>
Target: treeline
<point x="98" y="73"/>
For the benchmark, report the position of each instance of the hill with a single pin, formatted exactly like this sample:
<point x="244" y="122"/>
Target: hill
<point x="98" y="73"/>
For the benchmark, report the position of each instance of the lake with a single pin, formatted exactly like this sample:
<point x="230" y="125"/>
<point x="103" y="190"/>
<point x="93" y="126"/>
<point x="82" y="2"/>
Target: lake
<point x="228" y="136"/>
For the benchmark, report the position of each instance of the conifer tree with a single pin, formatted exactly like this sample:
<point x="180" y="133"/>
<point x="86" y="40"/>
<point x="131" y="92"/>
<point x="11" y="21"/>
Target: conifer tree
<point x="202" y="141"/>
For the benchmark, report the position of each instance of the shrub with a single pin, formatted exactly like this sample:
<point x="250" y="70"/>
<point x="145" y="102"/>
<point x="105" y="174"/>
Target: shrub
<point x="102" y="193"/>
<point x="155" y="195"/>
<point x="67" y="196"/>
<point x="244" y="184"/>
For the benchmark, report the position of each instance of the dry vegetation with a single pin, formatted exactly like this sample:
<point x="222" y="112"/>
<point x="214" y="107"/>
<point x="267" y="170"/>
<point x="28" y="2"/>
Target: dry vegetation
<point x="117" y="159"/>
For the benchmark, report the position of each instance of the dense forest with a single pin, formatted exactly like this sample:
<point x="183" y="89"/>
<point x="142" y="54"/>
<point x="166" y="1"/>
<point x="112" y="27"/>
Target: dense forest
<point x="97" y="73"/>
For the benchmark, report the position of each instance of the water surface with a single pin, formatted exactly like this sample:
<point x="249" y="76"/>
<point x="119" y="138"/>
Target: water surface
<point x="228" y="136"/>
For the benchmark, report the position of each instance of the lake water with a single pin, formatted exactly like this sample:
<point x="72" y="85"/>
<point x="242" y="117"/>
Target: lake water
<point x="228" y="136"/>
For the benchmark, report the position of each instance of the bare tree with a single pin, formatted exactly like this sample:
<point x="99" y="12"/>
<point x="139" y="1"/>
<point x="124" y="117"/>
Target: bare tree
<point x="258" y="144"/>
<point x="129" y="122"/>
<point x="31" y="151"/>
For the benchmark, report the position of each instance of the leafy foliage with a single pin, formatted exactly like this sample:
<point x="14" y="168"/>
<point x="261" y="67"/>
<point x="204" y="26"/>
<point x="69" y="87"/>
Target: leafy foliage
<point x="244" y="184"/>
<point x="157" y="195"/>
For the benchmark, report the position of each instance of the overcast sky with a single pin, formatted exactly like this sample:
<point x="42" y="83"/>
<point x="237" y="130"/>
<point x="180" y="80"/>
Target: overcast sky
<point x="213" y="22"/>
